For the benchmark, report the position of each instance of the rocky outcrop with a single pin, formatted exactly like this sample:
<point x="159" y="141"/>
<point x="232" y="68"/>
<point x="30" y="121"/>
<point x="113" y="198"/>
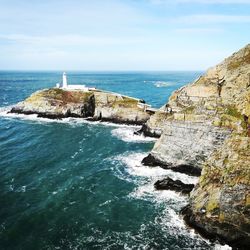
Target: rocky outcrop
<point x="206" y="125"/>
<point x="177" y="185"/>
<point x="58" y="103"/>
<point x="184" y="146"/>
<point x="199" y="116"/>
<point x="220" y="203"/>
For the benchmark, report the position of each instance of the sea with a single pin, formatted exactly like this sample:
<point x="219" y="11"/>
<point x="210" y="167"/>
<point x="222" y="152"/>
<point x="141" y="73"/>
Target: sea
<point x="73" y="184"/>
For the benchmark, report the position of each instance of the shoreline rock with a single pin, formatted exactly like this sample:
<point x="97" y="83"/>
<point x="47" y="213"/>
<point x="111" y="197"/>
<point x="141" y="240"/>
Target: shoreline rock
<point x="177" y="185"/>
<point x="206" y="124"/>
<point x="146" y="132"/>
<point x="234" y="239"/>
<point x="151" y="161"/>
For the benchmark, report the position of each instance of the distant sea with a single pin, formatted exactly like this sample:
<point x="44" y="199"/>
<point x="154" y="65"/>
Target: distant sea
<point x="71" y="184"/>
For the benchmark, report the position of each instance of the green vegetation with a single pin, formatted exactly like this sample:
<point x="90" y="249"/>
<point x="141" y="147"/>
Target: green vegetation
<point x="232" y="111"/>
<point x="125" y="102"/>
<point x="55" y="94"/>
<point x="237" y="63"/>
<point x="189" y="110"/>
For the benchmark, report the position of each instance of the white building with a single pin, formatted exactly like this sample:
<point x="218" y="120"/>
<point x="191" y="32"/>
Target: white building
<point x="65" y="85"/>
<point x="64" y="81"/>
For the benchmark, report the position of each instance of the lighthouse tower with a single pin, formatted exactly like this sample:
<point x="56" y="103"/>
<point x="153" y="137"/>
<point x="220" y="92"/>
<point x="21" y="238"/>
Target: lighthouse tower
<point x="64" y="82"/>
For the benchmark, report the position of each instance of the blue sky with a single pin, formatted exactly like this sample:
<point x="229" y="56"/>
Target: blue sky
<point x="120" y="34"/>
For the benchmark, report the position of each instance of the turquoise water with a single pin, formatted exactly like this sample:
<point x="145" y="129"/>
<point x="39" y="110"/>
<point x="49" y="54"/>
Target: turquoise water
<point x="71" y="184"/>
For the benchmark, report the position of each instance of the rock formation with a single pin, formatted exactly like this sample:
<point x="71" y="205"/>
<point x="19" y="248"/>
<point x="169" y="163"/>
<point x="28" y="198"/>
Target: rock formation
<point x="95" y="105"/>
<point x="201" y="115"/>
<point x="206" y="125"/>
<point x="178" y="186"/>
<point x="220" y="203"/>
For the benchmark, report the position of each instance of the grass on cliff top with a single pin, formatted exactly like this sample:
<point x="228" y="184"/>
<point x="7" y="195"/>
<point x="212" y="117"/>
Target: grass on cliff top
<point x="234" y="64"/>
<point x="125" y="102"/>
<point x="61" y="95"/>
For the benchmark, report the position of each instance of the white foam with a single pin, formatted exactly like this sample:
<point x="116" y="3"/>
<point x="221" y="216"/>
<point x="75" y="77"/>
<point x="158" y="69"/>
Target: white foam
<point x="169" y="220"/>
<point x="127" y="134"/>
<point x="135" y="168"/>
<point x="161" y="84"/>
<point x="70" y="120"/>
<point x="222" y="247"/>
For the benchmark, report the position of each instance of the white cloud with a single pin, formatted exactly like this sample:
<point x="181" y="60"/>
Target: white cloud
<point x="210" y="18"/>
<point x="68" y="40"/>
<point x="201" y="1"/>
<point x="199" y="30"/>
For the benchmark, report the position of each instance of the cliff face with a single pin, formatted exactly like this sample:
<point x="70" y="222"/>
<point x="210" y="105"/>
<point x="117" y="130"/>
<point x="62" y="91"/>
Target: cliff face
<point x="206" y="110"/>
<point x="219" y="97"/>
<point x="206" y="124"/>
<point x="186" y="145"/>
<point x="220" y="203"/>
<point x="95" y="105"/>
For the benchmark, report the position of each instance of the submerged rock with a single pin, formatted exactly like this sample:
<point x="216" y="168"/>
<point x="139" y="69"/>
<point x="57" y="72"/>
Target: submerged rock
<point x="178" y="186"/>
<point x="58" y="103"/>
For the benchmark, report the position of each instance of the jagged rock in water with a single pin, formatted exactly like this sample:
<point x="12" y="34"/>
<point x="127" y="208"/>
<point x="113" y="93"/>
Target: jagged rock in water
<point x="178" y="186"/>
<point x="58" y="103"/>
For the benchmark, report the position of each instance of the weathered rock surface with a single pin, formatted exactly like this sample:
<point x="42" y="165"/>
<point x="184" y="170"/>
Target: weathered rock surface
<point x="220" y="97"/>
<point x="206" y="124"/>
<point x="96" y="105"/>
<point x="184" y="146"/>
<point x="220" y="203"/>
<point x="198" y="117"/>
<point x="178" y="186"/>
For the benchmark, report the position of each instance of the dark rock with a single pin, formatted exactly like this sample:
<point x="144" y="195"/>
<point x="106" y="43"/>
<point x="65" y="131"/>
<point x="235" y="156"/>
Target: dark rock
<point x="150" y="160"/>
<point x="115" y="120"/>
<point x="238" y="240"/>
<point x="187" y="169"/>
<point x="169" y="184"/>
<point x="146" y="132"/>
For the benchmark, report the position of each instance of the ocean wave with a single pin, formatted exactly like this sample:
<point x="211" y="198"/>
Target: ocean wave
<point x="161" y="84"/>
<point x="169" y="220"/>
<point x="135" y="168"/>
<point x="127" y="134"/>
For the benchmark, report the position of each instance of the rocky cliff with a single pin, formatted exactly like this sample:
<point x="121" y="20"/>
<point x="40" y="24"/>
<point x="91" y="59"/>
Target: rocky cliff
<point x="220" y="203"/>
<point x="200" y="115"/>
<point x="94" y="104"/>
<point x="206" y="125"/>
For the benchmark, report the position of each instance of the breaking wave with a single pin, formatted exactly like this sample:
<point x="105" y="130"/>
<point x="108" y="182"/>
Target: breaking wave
<point x="161" y="84"/>
<point x="127" y="134"/>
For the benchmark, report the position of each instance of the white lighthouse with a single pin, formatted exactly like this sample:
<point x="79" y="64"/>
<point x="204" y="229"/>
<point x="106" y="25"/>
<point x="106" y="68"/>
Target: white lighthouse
<point x="64" y="81"/>
<point x="64" y="85"/>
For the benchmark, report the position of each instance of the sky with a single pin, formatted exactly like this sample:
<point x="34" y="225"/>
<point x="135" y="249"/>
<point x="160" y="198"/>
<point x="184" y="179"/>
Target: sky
<point x="114" y="35"/>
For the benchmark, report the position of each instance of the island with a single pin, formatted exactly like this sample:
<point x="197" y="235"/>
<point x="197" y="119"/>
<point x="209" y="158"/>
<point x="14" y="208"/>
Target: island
<point x="82" y="102"/>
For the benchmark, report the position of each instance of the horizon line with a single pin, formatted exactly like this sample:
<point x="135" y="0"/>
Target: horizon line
<point x="122" y="70"/>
